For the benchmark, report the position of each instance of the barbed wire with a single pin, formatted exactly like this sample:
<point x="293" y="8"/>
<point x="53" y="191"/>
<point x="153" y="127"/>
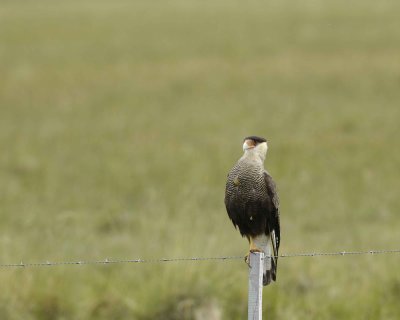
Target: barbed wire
<point x="187" y="259"/>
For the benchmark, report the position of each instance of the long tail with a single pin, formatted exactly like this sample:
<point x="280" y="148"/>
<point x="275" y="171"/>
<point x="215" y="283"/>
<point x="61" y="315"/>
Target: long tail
<point x="271" y="260"/>
<point x="269" y="267"/>
<point x="268" y="245"/>
<point x="275" y="254"/>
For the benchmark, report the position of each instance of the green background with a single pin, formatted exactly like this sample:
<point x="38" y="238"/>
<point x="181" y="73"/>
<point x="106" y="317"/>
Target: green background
<point x="119" y="121"/>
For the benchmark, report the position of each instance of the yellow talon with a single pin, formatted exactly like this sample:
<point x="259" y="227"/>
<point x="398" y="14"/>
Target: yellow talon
<point x="247" y="259"/>
<point x="253" y="248"/>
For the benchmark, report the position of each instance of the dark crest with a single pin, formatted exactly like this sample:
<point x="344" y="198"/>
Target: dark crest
<point x="256" y="139"/>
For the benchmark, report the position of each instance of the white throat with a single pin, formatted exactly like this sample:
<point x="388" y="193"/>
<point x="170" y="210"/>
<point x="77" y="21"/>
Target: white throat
<point x="259" y="151"/>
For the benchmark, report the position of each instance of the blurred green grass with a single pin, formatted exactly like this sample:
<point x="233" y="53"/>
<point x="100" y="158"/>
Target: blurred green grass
<point x="119" y="121"/>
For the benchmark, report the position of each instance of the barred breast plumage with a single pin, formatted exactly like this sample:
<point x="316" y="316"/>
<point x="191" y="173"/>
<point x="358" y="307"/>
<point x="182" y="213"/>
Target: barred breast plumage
<point x="247" y="198"/>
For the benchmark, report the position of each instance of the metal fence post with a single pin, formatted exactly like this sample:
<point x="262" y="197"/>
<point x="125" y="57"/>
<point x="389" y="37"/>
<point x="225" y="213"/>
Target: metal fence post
<point x="255" y="285"/>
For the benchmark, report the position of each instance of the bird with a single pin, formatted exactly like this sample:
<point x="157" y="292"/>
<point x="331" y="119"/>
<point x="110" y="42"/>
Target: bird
<point x="252" y="204"/>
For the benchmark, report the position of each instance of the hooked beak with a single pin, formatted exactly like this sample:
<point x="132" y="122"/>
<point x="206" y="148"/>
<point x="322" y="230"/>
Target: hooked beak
<point x="248" y="144"/>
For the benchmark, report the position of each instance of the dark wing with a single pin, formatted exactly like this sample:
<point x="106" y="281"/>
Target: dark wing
<point x="273" y="218"/>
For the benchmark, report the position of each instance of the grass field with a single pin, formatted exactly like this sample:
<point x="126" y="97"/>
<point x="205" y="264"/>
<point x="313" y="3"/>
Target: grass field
<point x="119" y="121"/>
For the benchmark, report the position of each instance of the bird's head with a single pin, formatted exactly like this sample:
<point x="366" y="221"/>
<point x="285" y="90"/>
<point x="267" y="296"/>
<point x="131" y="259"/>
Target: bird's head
<point x="256" y="145"/>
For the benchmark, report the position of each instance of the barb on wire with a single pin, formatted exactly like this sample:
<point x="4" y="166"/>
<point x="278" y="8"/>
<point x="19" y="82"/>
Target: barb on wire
<point x="340" y="253"/>
<point x="159" y="260"/>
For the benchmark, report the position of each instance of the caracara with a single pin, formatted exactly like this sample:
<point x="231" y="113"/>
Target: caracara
<point x="253" y="204"/>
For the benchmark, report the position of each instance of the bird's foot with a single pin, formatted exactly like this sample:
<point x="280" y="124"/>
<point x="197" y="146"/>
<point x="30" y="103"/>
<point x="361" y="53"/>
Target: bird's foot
<point x="247" y="256"/>
<point x="247" y="259"/>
